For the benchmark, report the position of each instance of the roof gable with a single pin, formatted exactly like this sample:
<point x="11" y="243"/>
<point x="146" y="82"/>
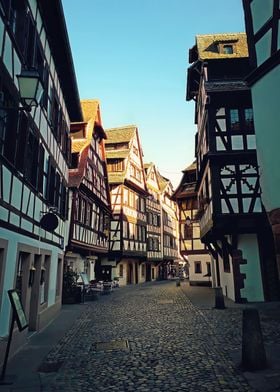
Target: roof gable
<point x="152" y="177"/>
<point x="210" y="46"/>
<point x="127" y="147"/>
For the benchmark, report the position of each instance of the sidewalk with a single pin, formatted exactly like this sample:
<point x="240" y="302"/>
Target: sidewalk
<point x="227" y="326"/>
<point x="22" y="368"/>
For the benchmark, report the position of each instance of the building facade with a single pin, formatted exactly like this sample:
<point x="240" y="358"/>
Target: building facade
<point x="89" y="195"/>
<point x="170" y="228"/>
<point x="34" y="157"/>
<point x="233" y="224"/>
<point x="192" y="250"/>
<point x="154" y="223"/>
<point x="262" y="26"/>
<point x="128" y="231"/>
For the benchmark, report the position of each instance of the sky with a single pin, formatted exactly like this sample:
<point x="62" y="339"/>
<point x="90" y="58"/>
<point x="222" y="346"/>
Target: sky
<point x="132" y="55"/>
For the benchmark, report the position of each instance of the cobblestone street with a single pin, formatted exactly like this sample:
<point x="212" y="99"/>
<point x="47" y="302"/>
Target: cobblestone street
<point x="144" y="338"/>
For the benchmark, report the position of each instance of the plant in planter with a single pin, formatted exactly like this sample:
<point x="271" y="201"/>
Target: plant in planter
<point x="71" y="292"/>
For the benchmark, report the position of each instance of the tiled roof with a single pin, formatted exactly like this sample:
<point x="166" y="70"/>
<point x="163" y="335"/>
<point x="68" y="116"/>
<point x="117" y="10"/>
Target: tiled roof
<point x="90" y="109"/>
<point x="79" y="145"/>
<point x="190" y="167"/>
<point x="207" y="49"/>
<point x="120" y="135"/>
<point x="117" y="154"/>
<point x="163" y="182"/>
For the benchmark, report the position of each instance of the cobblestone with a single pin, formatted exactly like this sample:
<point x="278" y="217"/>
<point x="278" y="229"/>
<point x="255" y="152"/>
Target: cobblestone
<point x="172" y="346"/>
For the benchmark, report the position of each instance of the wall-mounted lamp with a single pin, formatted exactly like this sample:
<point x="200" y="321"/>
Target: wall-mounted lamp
<point x="30" y="88"/>
<point x="188" y="221"/>
<point x="31" y="276"/>
<point x="43" y="275"/>
<point x="30" y="92"/>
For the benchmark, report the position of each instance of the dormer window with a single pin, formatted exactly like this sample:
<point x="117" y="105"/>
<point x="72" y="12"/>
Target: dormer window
<point x="227" y="49"/>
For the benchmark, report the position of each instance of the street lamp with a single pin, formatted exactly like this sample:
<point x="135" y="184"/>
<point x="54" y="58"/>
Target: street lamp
<point x="30" y="88"/>
<point x="188" y="221"/>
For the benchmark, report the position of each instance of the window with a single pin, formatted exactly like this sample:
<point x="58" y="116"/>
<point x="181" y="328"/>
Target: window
<point x="16" y="17"/>
<point x="55" y="191"/>
<point x="234" y="120"/>
<point x="121" y="270"/>
<point x="54" y="114"/>
<point x="44" y="282"/>
<point x="228" y="49"/>
<point x="150" y="243"/>
<point x="115" y="165"/>
<point x="74" y="160"/>
<point x="188" y="232"/>
<point x="208" y="267"/>
<point x="249" y="120"/>
<point x="197" y="267"/>
<point x="58" y="277"/>
<point x="226" y="258"/>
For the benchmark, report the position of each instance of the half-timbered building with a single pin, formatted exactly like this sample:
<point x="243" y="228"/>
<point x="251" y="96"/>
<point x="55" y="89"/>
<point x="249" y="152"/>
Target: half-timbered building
<point x="127" y="246"/>
<point x="192" y="250"/>
<point x="90" y="197"/>
<point x="34" y="156"/>
<point x="232" y="222"/>
<point x="154" y="224"/>
<point x="262" y="25"/>
<point x="170" y="228"/>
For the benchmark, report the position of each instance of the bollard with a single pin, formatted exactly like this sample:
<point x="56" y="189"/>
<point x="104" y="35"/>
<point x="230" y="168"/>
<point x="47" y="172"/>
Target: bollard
<point x="253" y="351"/>
<point x="219" y="298"/>
<point x="178" y="283"/>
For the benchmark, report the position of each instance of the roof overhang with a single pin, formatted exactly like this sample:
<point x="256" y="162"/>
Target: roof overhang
<point x="53" y="16"/>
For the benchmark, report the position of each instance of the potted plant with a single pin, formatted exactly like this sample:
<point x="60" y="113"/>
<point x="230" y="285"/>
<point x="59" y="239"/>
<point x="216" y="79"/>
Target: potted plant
<point x="71" y="292"/>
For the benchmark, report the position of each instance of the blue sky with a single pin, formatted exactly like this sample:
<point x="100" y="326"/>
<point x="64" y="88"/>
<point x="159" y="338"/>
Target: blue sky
<point x="132" y="55"/>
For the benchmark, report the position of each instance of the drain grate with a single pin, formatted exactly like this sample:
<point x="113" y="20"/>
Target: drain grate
<point x="165" y="301"/>
<point x="49" y="367"/>
<point x="113" y="345"/>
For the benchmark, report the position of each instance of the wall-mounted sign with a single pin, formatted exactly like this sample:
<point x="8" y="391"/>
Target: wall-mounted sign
<point x="49" y="221"/>
<point x="18" y="310"/>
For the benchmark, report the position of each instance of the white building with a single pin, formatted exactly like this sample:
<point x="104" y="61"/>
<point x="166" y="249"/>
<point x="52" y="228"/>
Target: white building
<point x="34" y="152"/>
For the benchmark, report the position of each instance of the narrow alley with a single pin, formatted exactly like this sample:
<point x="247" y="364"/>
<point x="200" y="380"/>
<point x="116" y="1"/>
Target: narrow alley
<point x="149" y="337"/>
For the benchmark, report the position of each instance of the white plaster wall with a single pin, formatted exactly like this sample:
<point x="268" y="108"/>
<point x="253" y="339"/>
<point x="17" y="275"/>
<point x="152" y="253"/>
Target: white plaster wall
<point x="122" y="280"/>
<point x="266" y="96"/>
<point x="141" y="278"/>
<point x="15" y="239"/>
<point x="193" y="277"/>
<point x="227" y="282"/>
<point x="155" y="269"/>
<point x="253" y="289"/>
